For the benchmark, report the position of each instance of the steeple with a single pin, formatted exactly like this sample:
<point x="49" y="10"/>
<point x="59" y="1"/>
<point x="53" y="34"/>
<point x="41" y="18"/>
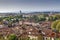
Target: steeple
<point x="20" y="11"/>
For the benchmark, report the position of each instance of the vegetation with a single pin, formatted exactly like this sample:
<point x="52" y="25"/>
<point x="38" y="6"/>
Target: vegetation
<point x="56" y="25"/>
<point x="40" y="37"/>
<point x="12" y="37"/>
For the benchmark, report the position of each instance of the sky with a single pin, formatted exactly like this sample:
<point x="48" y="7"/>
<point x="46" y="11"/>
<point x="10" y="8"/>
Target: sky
<point x="29" y="5"/>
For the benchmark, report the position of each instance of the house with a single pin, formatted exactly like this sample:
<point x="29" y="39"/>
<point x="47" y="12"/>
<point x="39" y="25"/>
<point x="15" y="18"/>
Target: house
<point x="48" y="34"/>
<point x="33" y="37"/>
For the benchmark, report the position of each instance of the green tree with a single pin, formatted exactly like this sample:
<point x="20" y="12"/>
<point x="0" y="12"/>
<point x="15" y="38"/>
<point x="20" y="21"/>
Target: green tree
<point x="24" y="38"/>
<point x="12" y="37"/>
<point x="57" y="38"/>
<point x="10" y="24"/>
<point x="41" y="18"/>
<point x="1" y="19"/>
<point x="54" y="24"/>
<point x="40" y="37"/>
<point x="58" y="27"/>
<point x="35" y="18"/>
<point x="50" y="18"/>
<point x="58" y="16"/>
<point x="53" y="18"/>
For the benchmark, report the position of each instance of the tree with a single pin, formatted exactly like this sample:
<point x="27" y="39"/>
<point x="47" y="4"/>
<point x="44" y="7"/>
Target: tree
<point x="41" y="18"/>
<point x="24" y="38"/>
<point x="12" y="37"/>
<point x="54" y="24"/>
<point x="54" y="18"/>
<point x="57" y="38"/>
<point x="40" y="37"/>
<point x="58" y="27"/>
<point x="35" y="18"/>
<point x="17" y="20"/>
<point x="10" y="24"/>
<point x="50" y="18"/>
<point x="1" y="19"/>
<point x="58" y="16"/>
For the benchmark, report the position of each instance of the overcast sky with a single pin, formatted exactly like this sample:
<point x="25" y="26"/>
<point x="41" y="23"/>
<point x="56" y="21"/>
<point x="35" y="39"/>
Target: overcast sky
<point x="29" y="5"/>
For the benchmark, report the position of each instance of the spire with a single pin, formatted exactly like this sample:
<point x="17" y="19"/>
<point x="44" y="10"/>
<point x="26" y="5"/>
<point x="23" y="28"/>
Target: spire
<point x="20" y="11"/>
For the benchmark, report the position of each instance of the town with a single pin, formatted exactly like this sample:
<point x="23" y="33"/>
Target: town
<point x="30" y="26"/>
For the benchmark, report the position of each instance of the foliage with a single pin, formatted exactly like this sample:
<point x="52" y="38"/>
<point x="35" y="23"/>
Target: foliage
<point x="57" y="38"/>
<point x="40" y="37"/>
<point x="25" y="38"/>
<point x="35" y="18"/>
<point x="56" y="25"/>
<point x="12" y="37"/>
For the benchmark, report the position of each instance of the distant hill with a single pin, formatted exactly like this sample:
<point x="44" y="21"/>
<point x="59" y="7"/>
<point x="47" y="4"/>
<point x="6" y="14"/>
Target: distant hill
<point x="33" y="13"/>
